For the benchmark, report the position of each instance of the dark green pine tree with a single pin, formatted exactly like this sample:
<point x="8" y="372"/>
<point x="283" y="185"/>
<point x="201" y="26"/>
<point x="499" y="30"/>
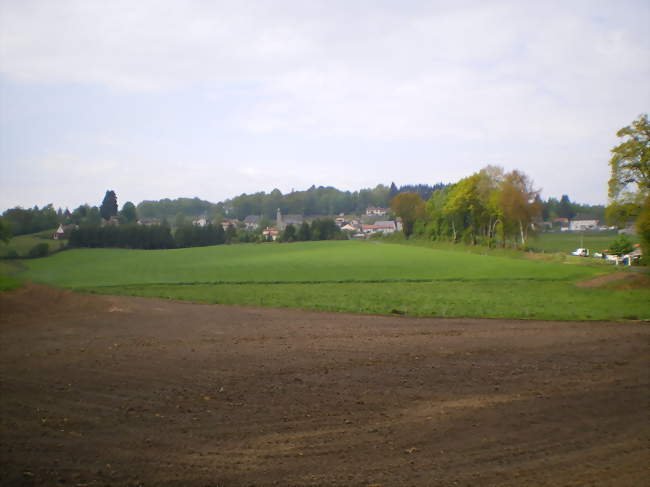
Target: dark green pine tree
<point x="109" y="205"/>
<point x="393" y="191"/>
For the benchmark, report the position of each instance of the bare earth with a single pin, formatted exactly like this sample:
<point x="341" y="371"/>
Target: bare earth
<point x="129" y="391"/>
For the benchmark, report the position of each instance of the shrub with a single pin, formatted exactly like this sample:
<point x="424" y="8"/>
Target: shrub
<point x="622" y="245"/>
<point x="39" y="250"/>
<point x="11" y="254"/>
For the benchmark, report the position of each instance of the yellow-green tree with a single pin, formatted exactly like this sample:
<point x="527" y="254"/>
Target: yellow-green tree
<point x="629" y="184"/>
<point x="518" y="202"/>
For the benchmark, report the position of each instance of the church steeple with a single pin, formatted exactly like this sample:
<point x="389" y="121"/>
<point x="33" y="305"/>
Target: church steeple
<point x="278" y="219"/>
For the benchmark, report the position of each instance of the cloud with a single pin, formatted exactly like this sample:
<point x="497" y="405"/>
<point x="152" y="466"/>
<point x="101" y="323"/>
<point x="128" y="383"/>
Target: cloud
<point x="519" y="80"/>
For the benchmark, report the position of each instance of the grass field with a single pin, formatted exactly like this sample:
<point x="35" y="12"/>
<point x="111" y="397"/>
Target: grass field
<point x="23" y="243"/>
<point x="352" y="276"/>
<point x="569" y="241"/>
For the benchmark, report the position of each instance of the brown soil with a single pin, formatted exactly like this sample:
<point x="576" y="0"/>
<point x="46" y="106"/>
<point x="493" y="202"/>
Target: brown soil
<point x="620" y="280"/>
<point x="129" y="391"/>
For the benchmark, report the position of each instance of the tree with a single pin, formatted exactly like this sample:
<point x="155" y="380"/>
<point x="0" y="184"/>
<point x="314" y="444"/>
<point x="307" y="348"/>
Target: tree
<point x="409" y="207"/>
<point x="629" y="184"/>
<point x="289" y="234"/>
<point x="393" y="191"/>
<point x="519" y="203"/>
<point x="622" y="245"/>
<point x="109" y="205"/>
<point x="129" y="213"/>
<point x="565" y="209"/>
<point x="5" y="230"/>
<point x="304" y="232"/>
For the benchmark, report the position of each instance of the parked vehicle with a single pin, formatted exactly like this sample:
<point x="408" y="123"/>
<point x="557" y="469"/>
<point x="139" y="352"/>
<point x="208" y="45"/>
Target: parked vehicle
<point x="581" y="252"/>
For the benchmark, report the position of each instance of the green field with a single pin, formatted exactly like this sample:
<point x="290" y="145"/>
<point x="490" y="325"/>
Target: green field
<point x="367" y="277"/>
<point x="570" y="241"/>
<point x="23" y="243"/>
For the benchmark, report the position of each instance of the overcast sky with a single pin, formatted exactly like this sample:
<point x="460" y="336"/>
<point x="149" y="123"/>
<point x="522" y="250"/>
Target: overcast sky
<point x="159" y="98"/>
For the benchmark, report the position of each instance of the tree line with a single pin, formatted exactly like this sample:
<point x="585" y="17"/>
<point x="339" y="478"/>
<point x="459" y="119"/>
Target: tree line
<point x="491" y="207"/>
<point x="134" y="236"/>
<point x="322" y="200"/>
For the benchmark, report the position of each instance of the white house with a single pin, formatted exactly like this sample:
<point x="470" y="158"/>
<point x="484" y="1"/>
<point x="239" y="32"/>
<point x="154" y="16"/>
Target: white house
<point x="251" y="222"/>
<point x="380" y="227"/>
<point x="60" y="233"/>
<point x="372" y="210"/>
<point x="583" y="224"/>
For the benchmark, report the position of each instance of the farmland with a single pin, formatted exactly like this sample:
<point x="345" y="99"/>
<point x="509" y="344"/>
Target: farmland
<point x="360" y="277"/>
<point x="112" y="385"/>
<point x="22" y="244"/>
<point x="125" y="391"/>
<point x="569" y="241"/>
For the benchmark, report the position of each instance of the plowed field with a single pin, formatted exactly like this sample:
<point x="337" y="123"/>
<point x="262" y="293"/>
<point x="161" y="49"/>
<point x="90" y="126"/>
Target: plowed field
<point x="100" y="390"/>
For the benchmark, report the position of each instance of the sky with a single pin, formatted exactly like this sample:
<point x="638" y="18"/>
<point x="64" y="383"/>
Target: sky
<point x="164" y="99"/>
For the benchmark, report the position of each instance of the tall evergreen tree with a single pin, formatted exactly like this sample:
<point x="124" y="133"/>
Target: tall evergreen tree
<point x="393" y="191"/>
<point x="565" y="210"/>
<point x="109" y="205"/>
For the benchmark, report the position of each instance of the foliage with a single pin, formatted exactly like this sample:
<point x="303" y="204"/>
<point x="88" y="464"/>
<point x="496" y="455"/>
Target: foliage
<point x="21" y="245"/>
<point x="108" y="207"/>
<point x="38" y="250"/>
<point x="643" y="229"/>
<point x="304" y="232"/>
<point x="123" y="236"/>
<point x="629" y="183"/>
<point x="129" y="213"/>
<point x="486" y="208"/>
<point x="194" y="236"/>
<point x="622" y="245"/>
<point x="565" y="209"/>
<point x="630" y="162"/>
<point x="409" y="207"/>
<point x="289" y="234"/>
<point x="167" y="208"/>
<point x="5" y="231"/>
<point x="24" y="221"/>
<point x="322" y="200"/>
<point x="325" y="229"/>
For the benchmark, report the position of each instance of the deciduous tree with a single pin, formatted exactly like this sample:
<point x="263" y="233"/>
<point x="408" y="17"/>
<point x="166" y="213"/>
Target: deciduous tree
<point x="409" y="207"/>
<point x="629" y="184"/>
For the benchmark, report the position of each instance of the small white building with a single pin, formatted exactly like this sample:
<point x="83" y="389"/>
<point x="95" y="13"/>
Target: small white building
<point x="60" y="233"/>
<point x="200" y="222"/>
<point x="582" y="225"/>
<point x="376" y="211"/>
<point x="384" y="227"/>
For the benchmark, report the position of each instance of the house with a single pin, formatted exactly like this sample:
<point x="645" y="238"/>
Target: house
<point x="562" y="223"/>
<point x="388" y="226"/>
<point x="251" y="222"/>
<point x="349" y="228"/>
<point x="384" y="227"/>
<point x="59" y="233"/>
<point x="64" y="231"/>
<point x="581" y="223"/>
<point x="200" y="222"/>
<point x="271" y="233"/>
<point x="227" y="223"/>
<point x="282" y="221"/>
<point x="149" y="222"/>
<point x="376" y="211"/>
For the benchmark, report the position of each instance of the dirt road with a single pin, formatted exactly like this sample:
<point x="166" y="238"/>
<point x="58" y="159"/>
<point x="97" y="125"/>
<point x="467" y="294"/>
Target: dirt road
<point x="129" y="391"/>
